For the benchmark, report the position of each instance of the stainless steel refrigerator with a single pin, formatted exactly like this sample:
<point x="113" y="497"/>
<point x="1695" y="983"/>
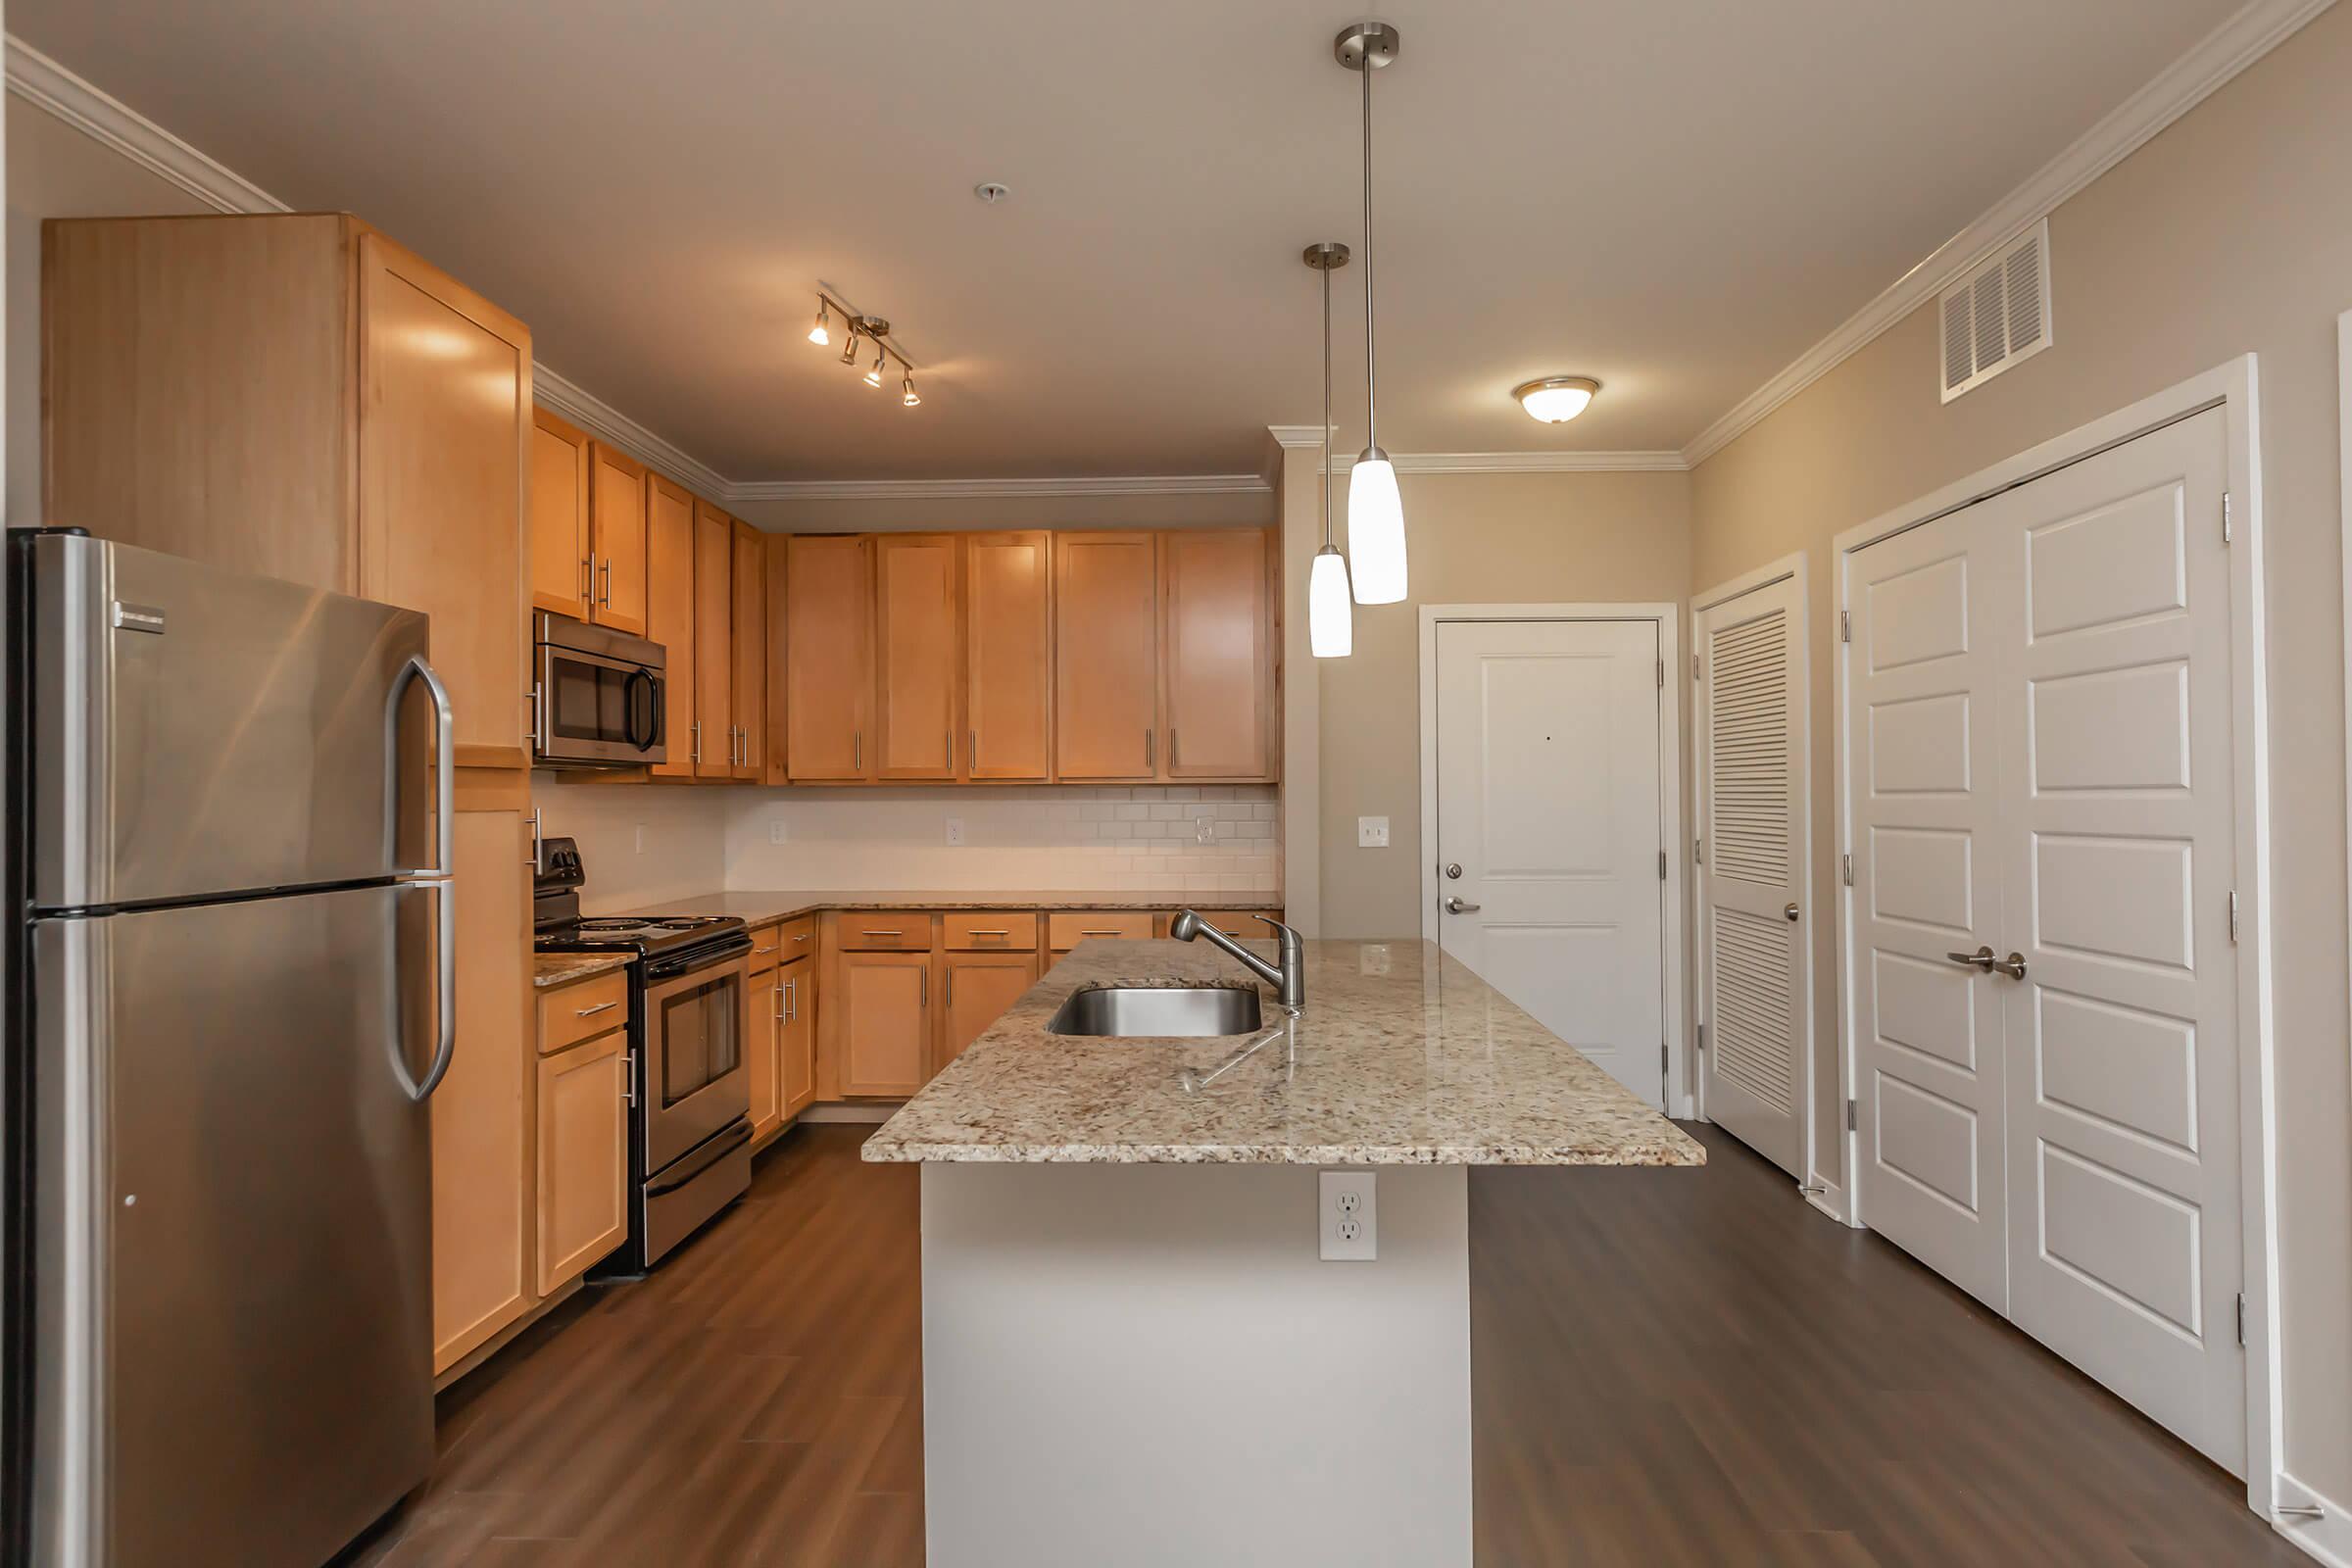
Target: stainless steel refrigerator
<point x="230" y="998"/>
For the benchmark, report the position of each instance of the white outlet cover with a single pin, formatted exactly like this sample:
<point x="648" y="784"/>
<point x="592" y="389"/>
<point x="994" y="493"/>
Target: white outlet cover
<point x="955" y="830"/>
<point x="776" y="831"/>
<point x="1204" y="828"/>
<point x="1371" y="832"/>
<point x="1348" y="1215"/>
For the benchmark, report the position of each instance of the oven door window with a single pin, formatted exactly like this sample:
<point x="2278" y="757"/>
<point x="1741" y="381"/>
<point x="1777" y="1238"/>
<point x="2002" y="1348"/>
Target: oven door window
<point x="702" y="1040"/>
<point x="613" y="704"/>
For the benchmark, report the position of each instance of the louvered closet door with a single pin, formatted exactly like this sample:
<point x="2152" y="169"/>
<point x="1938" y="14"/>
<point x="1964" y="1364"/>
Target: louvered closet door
<point x="1752" y="758"/>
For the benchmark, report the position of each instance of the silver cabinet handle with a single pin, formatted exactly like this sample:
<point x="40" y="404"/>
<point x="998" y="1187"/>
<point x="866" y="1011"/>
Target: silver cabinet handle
<point x="770" y="948"/>
<point x="1111" y="931"/>
<point x="2014" y="967"/>
<point x="974" y="747"/>
<point x="792" y="1001"/>
<point x="628" y="1077"/>
<point x="606" y="599"/>
<point x="776" y="1008"/>
<point x="697" y="740"/>
<point x="1172" y="749"/>
<point x="537" y="697"/>
<point x="856" y="751"/>
<point x="950" y="735"/>
<point x="951" y="988"/>
<point x="922" y="987"/>
<point x="538" y="861"/>
<point x="803" y="937"/>
<point x="590" y="1013"/>
<point x="1982" y="959"/>
<point x="588" y="579"/>
<point x="1455" y="906"/>
<point x="976" y="931"/>
<point x="1148" y="738"/>
<point x="1789" y="909"/>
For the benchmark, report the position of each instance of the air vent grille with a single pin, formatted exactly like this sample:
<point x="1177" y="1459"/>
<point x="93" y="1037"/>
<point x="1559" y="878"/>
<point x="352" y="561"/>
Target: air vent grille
<point x="1998" y="315"/>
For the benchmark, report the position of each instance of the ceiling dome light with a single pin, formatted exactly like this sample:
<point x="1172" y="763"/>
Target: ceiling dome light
<point x="1556" y="399"/>
<point x="821" y="333"/>
<point x="907" y="394"/>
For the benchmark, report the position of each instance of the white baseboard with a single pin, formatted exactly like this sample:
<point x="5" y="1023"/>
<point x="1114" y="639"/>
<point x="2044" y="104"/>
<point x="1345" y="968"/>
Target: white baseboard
<point x="864" y="1114"/>
<point x="1831" y="1200"/>
<point x="2328" y="1537"/>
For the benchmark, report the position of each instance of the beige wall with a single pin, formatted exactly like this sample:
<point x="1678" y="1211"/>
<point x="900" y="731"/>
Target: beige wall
<point x="1471" y="538"/>
<point x="2231" y="231"/>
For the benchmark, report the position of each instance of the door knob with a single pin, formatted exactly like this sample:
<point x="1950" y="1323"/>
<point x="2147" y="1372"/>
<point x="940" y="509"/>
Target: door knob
<point x="1790" y="911"/>
<point x="1982" y="959"/>
<point x="2014" y="967"/>
<point x="1453" y="869"/>
<point x="1455" y="906"/>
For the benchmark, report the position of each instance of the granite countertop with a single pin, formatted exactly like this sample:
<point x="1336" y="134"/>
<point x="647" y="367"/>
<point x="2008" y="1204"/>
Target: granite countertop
<point x="1403" y="1056"/>
<point x="761" y="907"/>
<point x="563" y="968"/>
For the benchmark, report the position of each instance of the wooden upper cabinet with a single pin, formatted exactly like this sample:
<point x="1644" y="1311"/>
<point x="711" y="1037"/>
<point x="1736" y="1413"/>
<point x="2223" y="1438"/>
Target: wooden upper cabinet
<point x="748" y="649"/>
<point x="618" y="486"/>
<point x="1216" y="655"/>
<point x="1105" y="667"/>
<point x="669" y="617"/>
<point x="918" y="711"/>
<point x="773" y="766"/>
<point x="1008" y="669"/>
<point x="828" y="658"/>
<point x="445" y="435"/>
<point x="559" y="516"/>
<point x="711" y="744"/>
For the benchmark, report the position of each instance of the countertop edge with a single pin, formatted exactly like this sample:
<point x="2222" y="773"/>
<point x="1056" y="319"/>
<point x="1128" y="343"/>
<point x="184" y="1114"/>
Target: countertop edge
<point x="1374" y="1154"/>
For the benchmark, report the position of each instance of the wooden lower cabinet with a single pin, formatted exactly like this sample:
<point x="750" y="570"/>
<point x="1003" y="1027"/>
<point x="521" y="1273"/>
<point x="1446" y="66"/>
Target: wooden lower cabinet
<point x="583" y="1156"/>
<point x="481" y="1115"/>
<point x="884" y="1029"/>
<point x="762" y="1071"/>
<point x="795" y="1035"/>
<point x="979" y="987"/>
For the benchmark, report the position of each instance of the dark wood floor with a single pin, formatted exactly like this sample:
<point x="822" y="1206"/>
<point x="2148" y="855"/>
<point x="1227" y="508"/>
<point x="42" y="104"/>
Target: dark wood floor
<point x="1667" y="1367"/>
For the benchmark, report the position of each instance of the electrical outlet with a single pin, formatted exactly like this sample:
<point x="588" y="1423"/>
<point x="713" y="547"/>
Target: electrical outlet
<point x="1346" y="1217"/>
<point x="1204" y="828"/>
<point x="775" y="832"/>
<point x="955" y="830"/>
<point x="1371" y="832"/>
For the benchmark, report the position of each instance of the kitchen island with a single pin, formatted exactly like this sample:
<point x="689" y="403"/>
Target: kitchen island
<point x="1133" y="1349"/>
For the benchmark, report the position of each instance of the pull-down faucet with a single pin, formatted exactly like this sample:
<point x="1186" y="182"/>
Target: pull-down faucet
<point x="1288" y="978"/>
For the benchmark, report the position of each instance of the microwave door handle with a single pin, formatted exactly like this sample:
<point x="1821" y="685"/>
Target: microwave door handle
<point x="439" y="876"/>
<point x="652" y="720"/>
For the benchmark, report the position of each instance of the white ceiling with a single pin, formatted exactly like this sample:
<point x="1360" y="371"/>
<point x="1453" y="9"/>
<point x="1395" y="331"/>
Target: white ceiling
<point x="1676" y="196"/>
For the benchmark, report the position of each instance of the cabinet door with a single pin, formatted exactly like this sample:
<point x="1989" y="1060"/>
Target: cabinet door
<point x="980" y="986"/>
<point x="885" y="1022"/>
<point x="795" y="1035"/>
<point x="1008" y="675"/>
<point x="583" y="1156"/>
<point x="617" y="510"/>
<point x="917" y="657"/>
<point x="773" y="768"/>
<point x="713" y="749"/>
<point x="669" y="617"/>
<point x="763" y="1002"/>
<point x="445" y="433"/>
<point x="481" y="1112"/>
<point x="559" y="510"/>
<point x="748" y="650"/>
<point x="1105" y="646"/>
<point x="1216" y="655"/>
<point x="828" y="658"/>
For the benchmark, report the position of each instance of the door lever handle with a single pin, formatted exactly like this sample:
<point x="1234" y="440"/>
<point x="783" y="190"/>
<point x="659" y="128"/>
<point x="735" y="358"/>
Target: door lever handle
<point x="1982" y="959"/>
<point x="1455" y="906"/>
<point x="2014" y="967"/>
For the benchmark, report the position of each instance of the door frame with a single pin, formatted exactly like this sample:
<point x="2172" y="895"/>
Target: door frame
<point x="1673" y="713"/>
<point x="2231" y="387"/>
<point x="1819" y="1193"/>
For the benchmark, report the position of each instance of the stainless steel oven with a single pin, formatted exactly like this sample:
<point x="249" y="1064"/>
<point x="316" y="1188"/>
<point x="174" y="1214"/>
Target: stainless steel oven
<point x="599" y="697"/>
<point x="693" y="1093"/>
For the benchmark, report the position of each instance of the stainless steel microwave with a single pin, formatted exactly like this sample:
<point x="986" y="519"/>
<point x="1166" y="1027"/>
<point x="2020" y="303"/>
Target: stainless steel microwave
<point x="599" y="697"/>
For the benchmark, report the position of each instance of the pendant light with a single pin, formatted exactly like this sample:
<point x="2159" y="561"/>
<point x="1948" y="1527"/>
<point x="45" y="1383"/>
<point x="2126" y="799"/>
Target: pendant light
<point x="1330" y="618"/>
<point x="1375" y="510"/>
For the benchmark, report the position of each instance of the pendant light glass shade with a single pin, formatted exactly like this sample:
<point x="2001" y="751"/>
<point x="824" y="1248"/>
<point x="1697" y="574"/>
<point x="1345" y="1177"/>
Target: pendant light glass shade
<point x="1375" y="531"/>
<point x="1330" y="618"/>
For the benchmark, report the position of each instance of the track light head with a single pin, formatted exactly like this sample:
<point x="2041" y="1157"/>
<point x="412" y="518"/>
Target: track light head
<point x="821" y="333"/>
<point x="849" y="343"/>
<point x="873" y="375"/>
<point x="907" y="393"/>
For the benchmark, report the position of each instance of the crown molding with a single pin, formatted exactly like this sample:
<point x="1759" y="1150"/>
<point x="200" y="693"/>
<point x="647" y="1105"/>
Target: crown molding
<point x="607" y="423"/>
<point x="1288" y="436"/>
<point x="1131" y="484"/>
<point x="2246" y="36"/>
<point x="1293" y="437"/>
<point x="44" y="83"/>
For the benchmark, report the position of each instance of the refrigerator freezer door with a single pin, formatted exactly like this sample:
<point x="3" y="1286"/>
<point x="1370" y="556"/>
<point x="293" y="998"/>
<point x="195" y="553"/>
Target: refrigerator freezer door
<point x="196" y="731"/>
<point x="233" y="1228"/>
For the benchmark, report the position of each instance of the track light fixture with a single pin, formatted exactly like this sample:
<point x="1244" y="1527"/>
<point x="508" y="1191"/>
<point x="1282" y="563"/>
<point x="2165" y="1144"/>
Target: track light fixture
<point x="873" y="330"/>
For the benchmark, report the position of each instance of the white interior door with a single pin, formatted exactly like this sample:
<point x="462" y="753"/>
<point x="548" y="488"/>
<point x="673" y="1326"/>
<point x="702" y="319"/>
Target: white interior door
<point x="1751" y="803"/>
<point x="1921" y="676"/>
<point x="1549" y="802"/>
<point x="2117" y="810"/>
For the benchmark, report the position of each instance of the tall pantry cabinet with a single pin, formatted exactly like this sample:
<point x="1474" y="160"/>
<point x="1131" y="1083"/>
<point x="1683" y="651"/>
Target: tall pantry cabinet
<point x="299" y="396"/>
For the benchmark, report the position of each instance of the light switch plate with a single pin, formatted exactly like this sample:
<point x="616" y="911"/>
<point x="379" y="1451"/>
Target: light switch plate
<point x="1346" y="1215"/>
<point x="955" y="830"/>
<point x="775" y="832"/>
<point x="1371" y="832"/>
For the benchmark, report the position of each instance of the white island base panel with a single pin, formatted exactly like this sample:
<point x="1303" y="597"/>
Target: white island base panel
<point x="1149" y="1364"/>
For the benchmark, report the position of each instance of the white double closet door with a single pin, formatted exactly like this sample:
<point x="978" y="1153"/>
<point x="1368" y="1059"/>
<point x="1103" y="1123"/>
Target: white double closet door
<point x="2039" y="743"/>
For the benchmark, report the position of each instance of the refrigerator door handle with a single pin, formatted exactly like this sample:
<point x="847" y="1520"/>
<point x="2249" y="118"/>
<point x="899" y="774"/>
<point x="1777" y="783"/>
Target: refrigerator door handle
<point x="444" y="890"/>
<point x="439" y="876"/>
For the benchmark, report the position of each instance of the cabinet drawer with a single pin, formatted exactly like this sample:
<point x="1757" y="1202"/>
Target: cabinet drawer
<point x="1238" y="923"/>
<point x="887" y="930"/>
<point x="574" y="1012"/>
<point x="796" y="938"/>
<point x="998" y="932"/>
<point x="768" y="948"/>
<point x="1070" y="928"/>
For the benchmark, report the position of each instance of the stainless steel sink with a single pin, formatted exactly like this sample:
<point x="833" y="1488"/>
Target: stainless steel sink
<point x="1145" y="1011"/>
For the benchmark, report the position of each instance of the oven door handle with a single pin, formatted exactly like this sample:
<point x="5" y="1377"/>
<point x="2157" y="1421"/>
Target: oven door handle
<point x="709" y="1154"/>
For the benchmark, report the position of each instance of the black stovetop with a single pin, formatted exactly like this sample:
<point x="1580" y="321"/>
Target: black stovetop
<point x="557" y="926"/>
